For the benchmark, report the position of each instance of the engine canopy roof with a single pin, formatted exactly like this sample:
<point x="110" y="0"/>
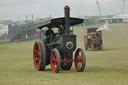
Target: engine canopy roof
<point x="56" y="22"/>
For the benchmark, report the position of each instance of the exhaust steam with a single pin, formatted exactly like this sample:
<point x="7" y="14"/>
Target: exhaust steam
<point x="105" y="27"/>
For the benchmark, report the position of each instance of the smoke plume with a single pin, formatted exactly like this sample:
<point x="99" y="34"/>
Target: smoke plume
<point x="104" y="27"/>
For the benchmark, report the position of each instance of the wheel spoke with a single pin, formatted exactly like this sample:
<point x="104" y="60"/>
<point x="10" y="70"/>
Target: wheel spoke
<point x="55" y="59"/>
<point x="35" y="50"/>
<point x="37" y="59"/>
<point x="38" y="53"/>
<point x="38" y="64"/>
<point x="37" y="47"/>
<point x="55" y="64"/>
<point x="79" y="59"/>
<point x="78" y="68"/>
<point x="79" y="65"/>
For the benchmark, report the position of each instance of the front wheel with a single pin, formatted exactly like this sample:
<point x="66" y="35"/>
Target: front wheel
<point x="80" y="60"/>
<point x="55" y="60"/>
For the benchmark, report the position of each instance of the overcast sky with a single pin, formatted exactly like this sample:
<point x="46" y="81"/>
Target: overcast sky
<point x="19" y="9"/>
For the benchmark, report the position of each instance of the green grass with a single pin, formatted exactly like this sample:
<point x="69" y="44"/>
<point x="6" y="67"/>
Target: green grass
<point x="108" y="67"/>
<point x="4" y="40"/>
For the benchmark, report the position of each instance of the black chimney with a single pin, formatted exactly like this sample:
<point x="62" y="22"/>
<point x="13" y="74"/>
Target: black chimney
<point x="67" y="19"/>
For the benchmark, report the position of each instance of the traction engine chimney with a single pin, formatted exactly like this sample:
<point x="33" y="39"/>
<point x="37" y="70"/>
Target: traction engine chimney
<point x="67" y="19"/>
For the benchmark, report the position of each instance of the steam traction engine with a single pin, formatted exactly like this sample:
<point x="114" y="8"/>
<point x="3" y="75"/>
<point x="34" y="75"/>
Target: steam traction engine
<point x="57" y="48"/>
<point x="93" y="39"/>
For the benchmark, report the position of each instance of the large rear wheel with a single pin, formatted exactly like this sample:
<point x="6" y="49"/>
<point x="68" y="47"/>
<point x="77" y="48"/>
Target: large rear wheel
<point x="39" y="55"/>
<point x="80" y="60"/>
<point x="55" y="60"/>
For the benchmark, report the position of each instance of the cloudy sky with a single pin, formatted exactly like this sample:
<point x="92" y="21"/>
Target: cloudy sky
<point x="19" y="9"/>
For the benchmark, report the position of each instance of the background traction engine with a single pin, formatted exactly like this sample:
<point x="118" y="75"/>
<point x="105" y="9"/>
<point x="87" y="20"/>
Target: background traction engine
<point x="93" y="39"/>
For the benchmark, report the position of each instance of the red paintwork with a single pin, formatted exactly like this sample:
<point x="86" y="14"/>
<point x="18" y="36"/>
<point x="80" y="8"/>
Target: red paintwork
<point x="90" y="46"/>
<point x="98" y="48"/>
<point x="53" y="61"/>
<point x="36" y="56"/>
<point x="79" y="58"/>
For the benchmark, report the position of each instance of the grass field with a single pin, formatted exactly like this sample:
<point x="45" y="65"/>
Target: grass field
<point x="4" y="40"/>
<point x="108" y="67"/>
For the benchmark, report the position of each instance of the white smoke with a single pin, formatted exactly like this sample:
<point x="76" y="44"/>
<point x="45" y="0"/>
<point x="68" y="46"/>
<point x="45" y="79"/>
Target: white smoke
<point x="104" y="27"/>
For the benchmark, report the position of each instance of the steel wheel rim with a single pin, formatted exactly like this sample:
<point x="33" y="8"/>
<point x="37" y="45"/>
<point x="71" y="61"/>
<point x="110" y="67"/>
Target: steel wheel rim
<point x="79" y="60"/>
<point x="36" y="56"/>
<point x="54" y="61"/>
